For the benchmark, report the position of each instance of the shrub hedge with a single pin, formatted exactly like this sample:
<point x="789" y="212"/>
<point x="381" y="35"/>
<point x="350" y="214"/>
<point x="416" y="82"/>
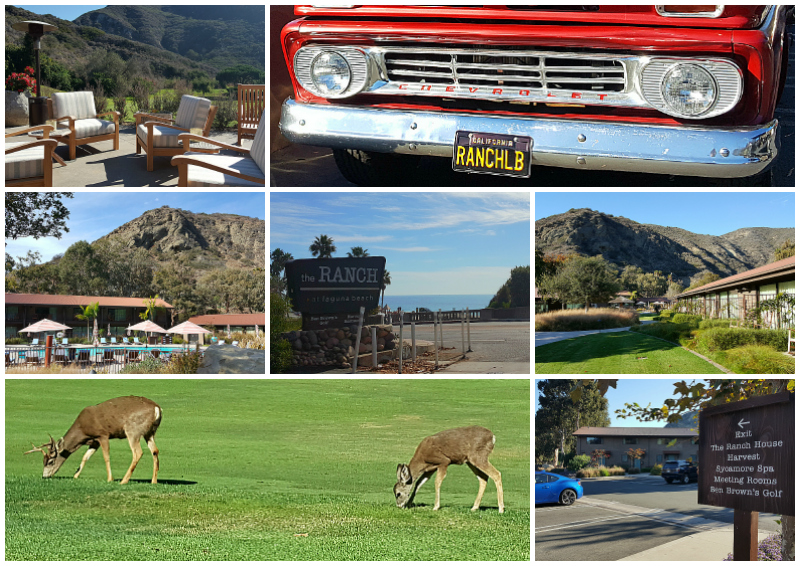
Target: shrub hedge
<point x="656" y="470"/>
<point x="716" y="323"/>
<point x="593" y="319"/>
<point x="757" y="359"/>
<point x="691" y="318"/>
<point x="678" y="333"/>
<point x="716" y="339"/>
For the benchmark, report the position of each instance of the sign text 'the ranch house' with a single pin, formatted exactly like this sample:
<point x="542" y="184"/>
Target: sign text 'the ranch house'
<point x="335" y="285"/>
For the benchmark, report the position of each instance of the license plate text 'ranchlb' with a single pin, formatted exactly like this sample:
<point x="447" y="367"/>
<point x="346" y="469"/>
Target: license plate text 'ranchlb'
<point x="496" y="154"/>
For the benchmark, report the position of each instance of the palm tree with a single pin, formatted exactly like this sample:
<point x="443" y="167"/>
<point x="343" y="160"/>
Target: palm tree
<point x="358" y="251"/>
<point x="90" y="312"/>
<point x="278" y="259"/>
<point x="322" y="247"/>
<point x="387" y="280"/>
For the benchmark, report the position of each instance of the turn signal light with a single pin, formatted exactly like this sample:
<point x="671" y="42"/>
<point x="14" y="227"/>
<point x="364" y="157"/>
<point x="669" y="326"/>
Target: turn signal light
<point x="690" y="11"/>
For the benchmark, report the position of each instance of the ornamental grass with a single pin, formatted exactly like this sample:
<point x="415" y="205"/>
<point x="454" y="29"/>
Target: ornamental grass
<point x="593" y="319"/>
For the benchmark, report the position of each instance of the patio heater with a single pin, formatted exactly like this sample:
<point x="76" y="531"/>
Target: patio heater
<point x="37" y="105"/>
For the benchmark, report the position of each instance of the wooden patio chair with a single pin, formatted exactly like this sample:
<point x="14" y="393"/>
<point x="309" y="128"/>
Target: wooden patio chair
<point x="159" y="136"/>
<point x="30" y="163"/>
<point x="77" y="114"/>
<point x="83" y="358"/>
<point x="251" y="105"/>
<point x="108" y="357"/>
<point x="203" y="170"/>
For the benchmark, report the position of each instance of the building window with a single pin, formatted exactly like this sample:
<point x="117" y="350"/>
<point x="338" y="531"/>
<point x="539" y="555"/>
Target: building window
<point x="659" y="458"/>
<point x="671" y="457"/>
<point x="593" y="440"/>
<point x="624" y="457"/>
<point x="629" y="440"/>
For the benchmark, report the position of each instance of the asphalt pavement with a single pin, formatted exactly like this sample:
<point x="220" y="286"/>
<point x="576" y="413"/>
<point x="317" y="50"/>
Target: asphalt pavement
<point x="637" y="518"/>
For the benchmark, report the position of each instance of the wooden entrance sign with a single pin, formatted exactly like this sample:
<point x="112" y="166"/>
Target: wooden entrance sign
<point x="747" y="463"/>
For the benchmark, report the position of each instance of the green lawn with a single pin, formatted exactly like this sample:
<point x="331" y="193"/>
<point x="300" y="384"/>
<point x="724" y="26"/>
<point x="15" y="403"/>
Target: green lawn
<point x="617" y="352"/>
<point x="268" y="470"/>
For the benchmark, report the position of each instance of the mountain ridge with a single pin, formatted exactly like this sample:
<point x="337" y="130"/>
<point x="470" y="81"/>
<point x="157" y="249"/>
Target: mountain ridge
<point x="623" y="241"/>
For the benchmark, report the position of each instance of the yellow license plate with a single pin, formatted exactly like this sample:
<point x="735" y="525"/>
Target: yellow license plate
<point x="496" y="154"/>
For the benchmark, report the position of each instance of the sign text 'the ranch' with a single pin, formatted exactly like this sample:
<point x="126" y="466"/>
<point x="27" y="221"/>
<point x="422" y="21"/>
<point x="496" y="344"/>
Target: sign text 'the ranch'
<point x="747" y="455"/>
<point x="335" y="285"/>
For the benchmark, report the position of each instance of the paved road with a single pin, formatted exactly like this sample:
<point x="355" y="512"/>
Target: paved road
<point x="306" y="166"/>
<point x="619" y="518"/>
<point x="491" y="341"/>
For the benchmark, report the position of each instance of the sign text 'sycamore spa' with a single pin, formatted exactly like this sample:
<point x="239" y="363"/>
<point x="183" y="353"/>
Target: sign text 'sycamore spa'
<point x="747" y="455"/>
<point x="335" y="285"/>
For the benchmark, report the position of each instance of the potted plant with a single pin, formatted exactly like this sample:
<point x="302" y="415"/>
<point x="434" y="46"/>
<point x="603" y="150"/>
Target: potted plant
<point x="18" y="89"/>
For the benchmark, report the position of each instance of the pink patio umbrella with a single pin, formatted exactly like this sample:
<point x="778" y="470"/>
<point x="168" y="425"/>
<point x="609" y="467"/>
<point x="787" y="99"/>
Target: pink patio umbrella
<point x="148" y="326"/>
<point x="45" y="325"/>
<point x="188" y="328"/>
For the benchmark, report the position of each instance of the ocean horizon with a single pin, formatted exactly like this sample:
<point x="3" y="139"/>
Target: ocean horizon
<point x="435" y="302"/>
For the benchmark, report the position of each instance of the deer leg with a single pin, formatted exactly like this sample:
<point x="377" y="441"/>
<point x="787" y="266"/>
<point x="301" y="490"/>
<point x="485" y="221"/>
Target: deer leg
<point x="440" y="475"/>
<point x="104" y="446"/>
<point x="425" y="477"/>
<point x="92" y="449"/>
<point x="485" y="467"/>
<point x="151" y="444"/>
<point x="136" y="448"/>
<point x="482" y="477"/>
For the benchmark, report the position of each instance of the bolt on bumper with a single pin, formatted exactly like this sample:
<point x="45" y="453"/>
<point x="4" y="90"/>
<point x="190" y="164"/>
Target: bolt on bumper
<point x="689" y="150"/>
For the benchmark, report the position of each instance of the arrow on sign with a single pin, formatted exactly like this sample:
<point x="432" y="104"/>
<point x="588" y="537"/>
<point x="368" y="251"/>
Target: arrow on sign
<point x="742" y="421"/>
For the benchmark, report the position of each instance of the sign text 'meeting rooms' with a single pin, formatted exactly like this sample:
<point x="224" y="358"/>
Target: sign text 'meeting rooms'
<point x="747" y="455"/>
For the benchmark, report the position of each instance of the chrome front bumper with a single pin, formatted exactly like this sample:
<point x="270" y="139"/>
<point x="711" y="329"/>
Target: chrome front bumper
<point x="692" y="151"/>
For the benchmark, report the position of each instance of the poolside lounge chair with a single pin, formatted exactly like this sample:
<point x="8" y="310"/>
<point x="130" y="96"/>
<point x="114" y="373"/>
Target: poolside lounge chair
<point x="108" y="357"/>
<point x="125" y="340"/>
<point x="35" y="342"/>
<point x="136" y="341"/>
<point x="113" y="340"/>
<point x="133" y="356"/>
<point x="30" y="163"/>
<point x="65" y="341"/>
<point x="102" y="340"/>
<point x="235" y="343"/>
<point x="83" y="358"/>
<point x="60" y="356"/>
<point x="155" y="353"/>
<point x="204" y="170"/>
<point x="76" y="112"/>
<point x="159" y="136"/>
<point x="32" y="360"/>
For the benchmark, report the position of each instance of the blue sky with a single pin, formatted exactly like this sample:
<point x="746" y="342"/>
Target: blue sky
<point x="702" y="213"/>
<point x="642" y="391"/>
<point x="94" y="214"/>
<point x="65" y="12"/>
<point x="435" y="243"/>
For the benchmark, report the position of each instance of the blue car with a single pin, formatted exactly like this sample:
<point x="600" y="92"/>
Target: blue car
<point x="553" y="488"/>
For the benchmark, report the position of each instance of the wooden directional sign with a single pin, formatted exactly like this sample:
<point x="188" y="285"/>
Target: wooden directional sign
<point x="335" y="285"/>
<point x="747" y="455"/>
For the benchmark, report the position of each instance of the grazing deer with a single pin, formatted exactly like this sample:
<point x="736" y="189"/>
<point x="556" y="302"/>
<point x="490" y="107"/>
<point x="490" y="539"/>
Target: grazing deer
<point x="133" y="418"/>
<point x="468" y="445"/>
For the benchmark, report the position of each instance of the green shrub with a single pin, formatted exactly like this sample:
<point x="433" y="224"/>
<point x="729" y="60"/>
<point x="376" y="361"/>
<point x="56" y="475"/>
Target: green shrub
<point x="588" y="473"/>
<point x="716" y="339"/>
<point x="667" y="314"/>
<point x="577" y="319"/>
<point x="604" y="472"/>
<point x="677" y="333"/>
<point x="646" y="470"/>
<point x="656" y="470"/>
<point x="681" y="318"/>
<point x="148" y="365"/>
<point x="716" y="323"/>
<point x="183" y="363"/>
<point x="17" y="340"/>
<point x="634" y="471"/>
<point x="578" y="462"/>
<point x="757" y="359"/>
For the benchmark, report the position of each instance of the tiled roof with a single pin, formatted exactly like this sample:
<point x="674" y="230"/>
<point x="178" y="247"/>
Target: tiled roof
<point x="232" y="319"/>
<point x="77" y="301"/>
<point x="633" y="431"/>
<point x="784" y="265"/>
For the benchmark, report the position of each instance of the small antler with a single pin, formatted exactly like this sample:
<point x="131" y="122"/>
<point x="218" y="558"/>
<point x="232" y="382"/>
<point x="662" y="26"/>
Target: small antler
<point x="36" y="449"/>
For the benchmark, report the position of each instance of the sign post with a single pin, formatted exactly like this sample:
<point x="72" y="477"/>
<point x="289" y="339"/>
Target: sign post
<point x="747" y="463"/>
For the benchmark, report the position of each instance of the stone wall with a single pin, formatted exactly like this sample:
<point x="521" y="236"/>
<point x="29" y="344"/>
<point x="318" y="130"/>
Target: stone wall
<point x="336" y="346"/>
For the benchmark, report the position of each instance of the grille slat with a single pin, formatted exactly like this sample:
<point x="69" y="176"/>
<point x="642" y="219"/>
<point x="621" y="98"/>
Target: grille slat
<point x="504" y="68"/>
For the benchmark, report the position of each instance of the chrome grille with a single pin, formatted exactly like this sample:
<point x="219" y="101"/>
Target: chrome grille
<point x="505" y="69"/>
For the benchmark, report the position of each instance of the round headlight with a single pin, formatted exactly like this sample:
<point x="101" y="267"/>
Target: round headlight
<point x="689" y="90"/>
<point x="330" y="73"/>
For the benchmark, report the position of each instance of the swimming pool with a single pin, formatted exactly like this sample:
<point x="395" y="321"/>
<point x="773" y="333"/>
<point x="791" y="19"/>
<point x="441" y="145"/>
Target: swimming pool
<point x="119" y="350"/>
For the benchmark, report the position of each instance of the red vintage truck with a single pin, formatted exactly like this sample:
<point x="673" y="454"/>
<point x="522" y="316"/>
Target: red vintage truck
<point x="683" y="90"/>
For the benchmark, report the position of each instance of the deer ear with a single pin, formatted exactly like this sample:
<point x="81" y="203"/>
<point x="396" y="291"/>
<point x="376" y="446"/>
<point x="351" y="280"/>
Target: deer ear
<point x="403" y="474"/>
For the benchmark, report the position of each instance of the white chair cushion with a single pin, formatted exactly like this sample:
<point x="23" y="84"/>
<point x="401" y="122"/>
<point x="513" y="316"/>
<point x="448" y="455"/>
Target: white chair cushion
<point x="79" y="105"/>
<point x="163" y="136"/>
<point x="91" y="127"/>
<point x="26" y="163"/>
<point x="202" y="177"/>
<point x="192" y="112"/>
<point x="257" y="149"/>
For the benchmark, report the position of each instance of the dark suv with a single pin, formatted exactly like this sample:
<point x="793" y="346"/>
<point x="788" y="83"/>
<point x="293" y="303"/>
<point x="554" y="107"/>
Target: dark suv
<point x="680" y="470"/>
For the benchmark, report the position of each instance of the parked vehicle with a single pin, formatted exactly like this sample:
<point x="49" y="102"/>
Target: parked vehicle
<point x="686" y="90"/>
<point x="680" y="470"/>
<point x="553" y="488"/>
